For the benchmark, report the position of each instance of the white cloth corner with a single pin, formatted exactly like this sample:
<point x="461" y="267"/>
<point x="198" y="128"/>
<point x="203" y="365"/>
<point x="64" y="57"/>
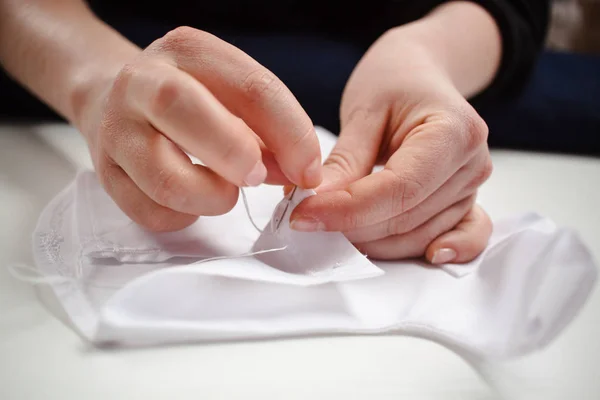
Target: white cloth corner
<point x="328" y="255"/>
<point x="132" y="288"/>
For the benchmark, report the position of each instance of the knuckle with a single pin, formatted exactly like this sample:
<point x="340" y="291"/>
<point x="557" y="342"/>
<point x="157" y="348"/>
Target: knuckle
<point x="469" y="204"/>
<point x="121" y="83"/>
<point x="464" y="121"/>
<point x="165" y="96"/>
<point x="307" y="134"/>
<point x="461" y="208"/>
<point x="343" y="161"/>
<point x="261" y="84"/>
<point x="184" y="44"/>
<point x="356" y="114"/>
<point x="482" y="174"/>
<point x="488" y="168"/>
<point x="129" y="70"/>
<point x="400" y="224"/>
<point x="393" y="226"/>
<point x="177" y="38"/>
<point x="350" y="221"/>
<point x="165" y="88"/>
<point x="239" y="155"/>
<point x="126" y="74"/>
<point x="485" y="171"/>
<point x="347" y="219"/>
<point x="168" y="190"/>
<point x="305" y="143"/>
<point x="431" y="231"/>
<point x="404" y="195"/>
<point x="405" y="192"/>
<point x="483" y="218"/>
<point x="475" y="130"/>
<point x="129" y="74"/>
<point x="351" y="218"/>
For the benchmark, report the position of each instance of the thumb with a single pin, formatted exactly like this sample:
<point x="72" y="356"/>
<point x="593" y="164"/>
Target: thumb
<point x="355" y="152"/>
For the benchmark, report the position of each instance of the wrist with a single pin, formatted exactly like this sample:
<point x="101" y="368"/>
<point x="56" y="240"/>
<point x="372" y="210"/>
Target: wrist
<point x="61" y="52"/>
<point x="417" y="56"/>
<point x="462" y="39"/>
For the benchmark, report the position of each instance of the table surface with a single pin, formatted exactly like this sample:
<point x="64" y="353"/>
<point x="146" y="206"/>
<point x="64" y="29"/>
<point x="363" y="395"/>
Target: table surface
<point x="41" y="358"/>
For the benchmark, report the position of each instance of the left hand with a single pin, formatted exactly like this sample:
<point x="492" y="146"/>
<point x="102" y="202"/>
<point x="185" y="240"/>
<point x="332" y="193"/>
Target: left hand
<point x="401" y="109"/>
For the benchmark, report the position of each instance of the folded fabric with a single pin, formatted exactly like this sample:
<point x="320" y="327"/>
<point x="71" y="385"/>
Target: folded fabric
<point x="130" y="287"/>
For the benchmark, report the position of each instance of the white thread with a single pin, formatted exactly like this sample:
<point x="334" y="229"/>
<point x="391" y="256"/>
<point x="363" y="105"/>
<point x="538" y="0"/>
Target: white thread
<point x="247" y="207"/>
<point x="26" y="273"/>
<point x="251" y="254"/>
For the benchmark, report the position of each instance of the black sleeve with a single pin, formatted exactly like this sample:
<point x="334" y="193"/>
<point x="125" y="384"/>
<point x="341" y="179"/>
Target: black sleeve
<point x="523" y="26"/>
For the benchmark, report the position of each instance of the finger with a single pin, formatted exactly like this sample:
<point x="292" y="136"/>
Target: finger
<point x="432" y="153"/>
<point x="168" y="176"/>
<point x="356" y="150"/>
<point x="275" y="175"/>
<point x="254" y="94"/>
<point x="185" y="111"/>
<point x="137" y="205"/>
<point x="414" y="243"/>
<point x="463" y="243"/>
<point x="404" y="223"/>
<point x="461" y="185"/>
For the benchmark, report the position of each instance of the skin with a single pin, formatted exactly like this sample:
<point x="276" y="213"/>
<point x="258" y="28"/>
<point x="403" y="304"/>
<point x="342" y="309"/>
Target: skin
<point x="404" y="107"/>
<point x="142" y="110"/>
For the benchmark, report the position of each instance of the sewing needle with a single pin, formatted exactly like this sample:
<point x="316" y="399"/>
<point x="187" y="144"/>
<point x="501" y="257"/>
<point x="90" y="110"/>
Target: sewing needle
<point x="287" y="205"/>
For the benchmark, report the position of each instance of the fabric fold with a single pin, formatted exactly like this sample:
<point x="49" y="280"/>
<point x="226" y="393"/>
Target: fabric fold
<point x="515" y="298"/>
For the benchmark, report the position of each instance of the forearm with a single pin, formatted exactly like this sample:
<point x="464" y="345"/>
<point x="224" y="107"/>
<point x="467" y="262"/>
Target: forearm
<point x="60" y="51"/>
<point x="463" y="39"/>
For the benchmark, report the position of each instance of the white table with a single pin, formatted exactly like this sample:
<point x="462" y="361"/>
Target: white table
<point x="40" y="358"/>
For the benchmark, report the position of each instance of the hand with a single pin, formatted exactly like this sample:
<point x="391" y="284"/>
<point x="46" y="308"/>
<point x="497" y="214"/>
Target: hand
<point x="400" y="109"/>
<point x="192" y="92"/>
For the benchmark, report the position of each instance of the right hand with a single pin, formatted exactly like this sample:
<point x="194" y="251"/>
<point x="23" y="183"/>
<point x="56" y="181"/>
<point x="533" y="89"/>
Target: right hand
<point x="192" y="92"/>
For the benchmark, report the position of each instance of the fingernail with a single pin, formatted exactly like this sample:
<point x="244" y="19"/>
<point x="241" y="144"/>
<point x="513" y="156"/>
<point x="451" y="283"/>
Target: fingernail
<point x="257" y="175"/>
<point x="443" y="256"/>
<point x="307" y="225"/>
<point x="313" y="175"/>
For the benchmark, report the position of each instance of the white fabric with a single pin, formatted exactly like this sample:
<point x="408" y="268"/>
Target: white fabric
<point x="135" y="288"/>
<point x="327" y="255"/>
